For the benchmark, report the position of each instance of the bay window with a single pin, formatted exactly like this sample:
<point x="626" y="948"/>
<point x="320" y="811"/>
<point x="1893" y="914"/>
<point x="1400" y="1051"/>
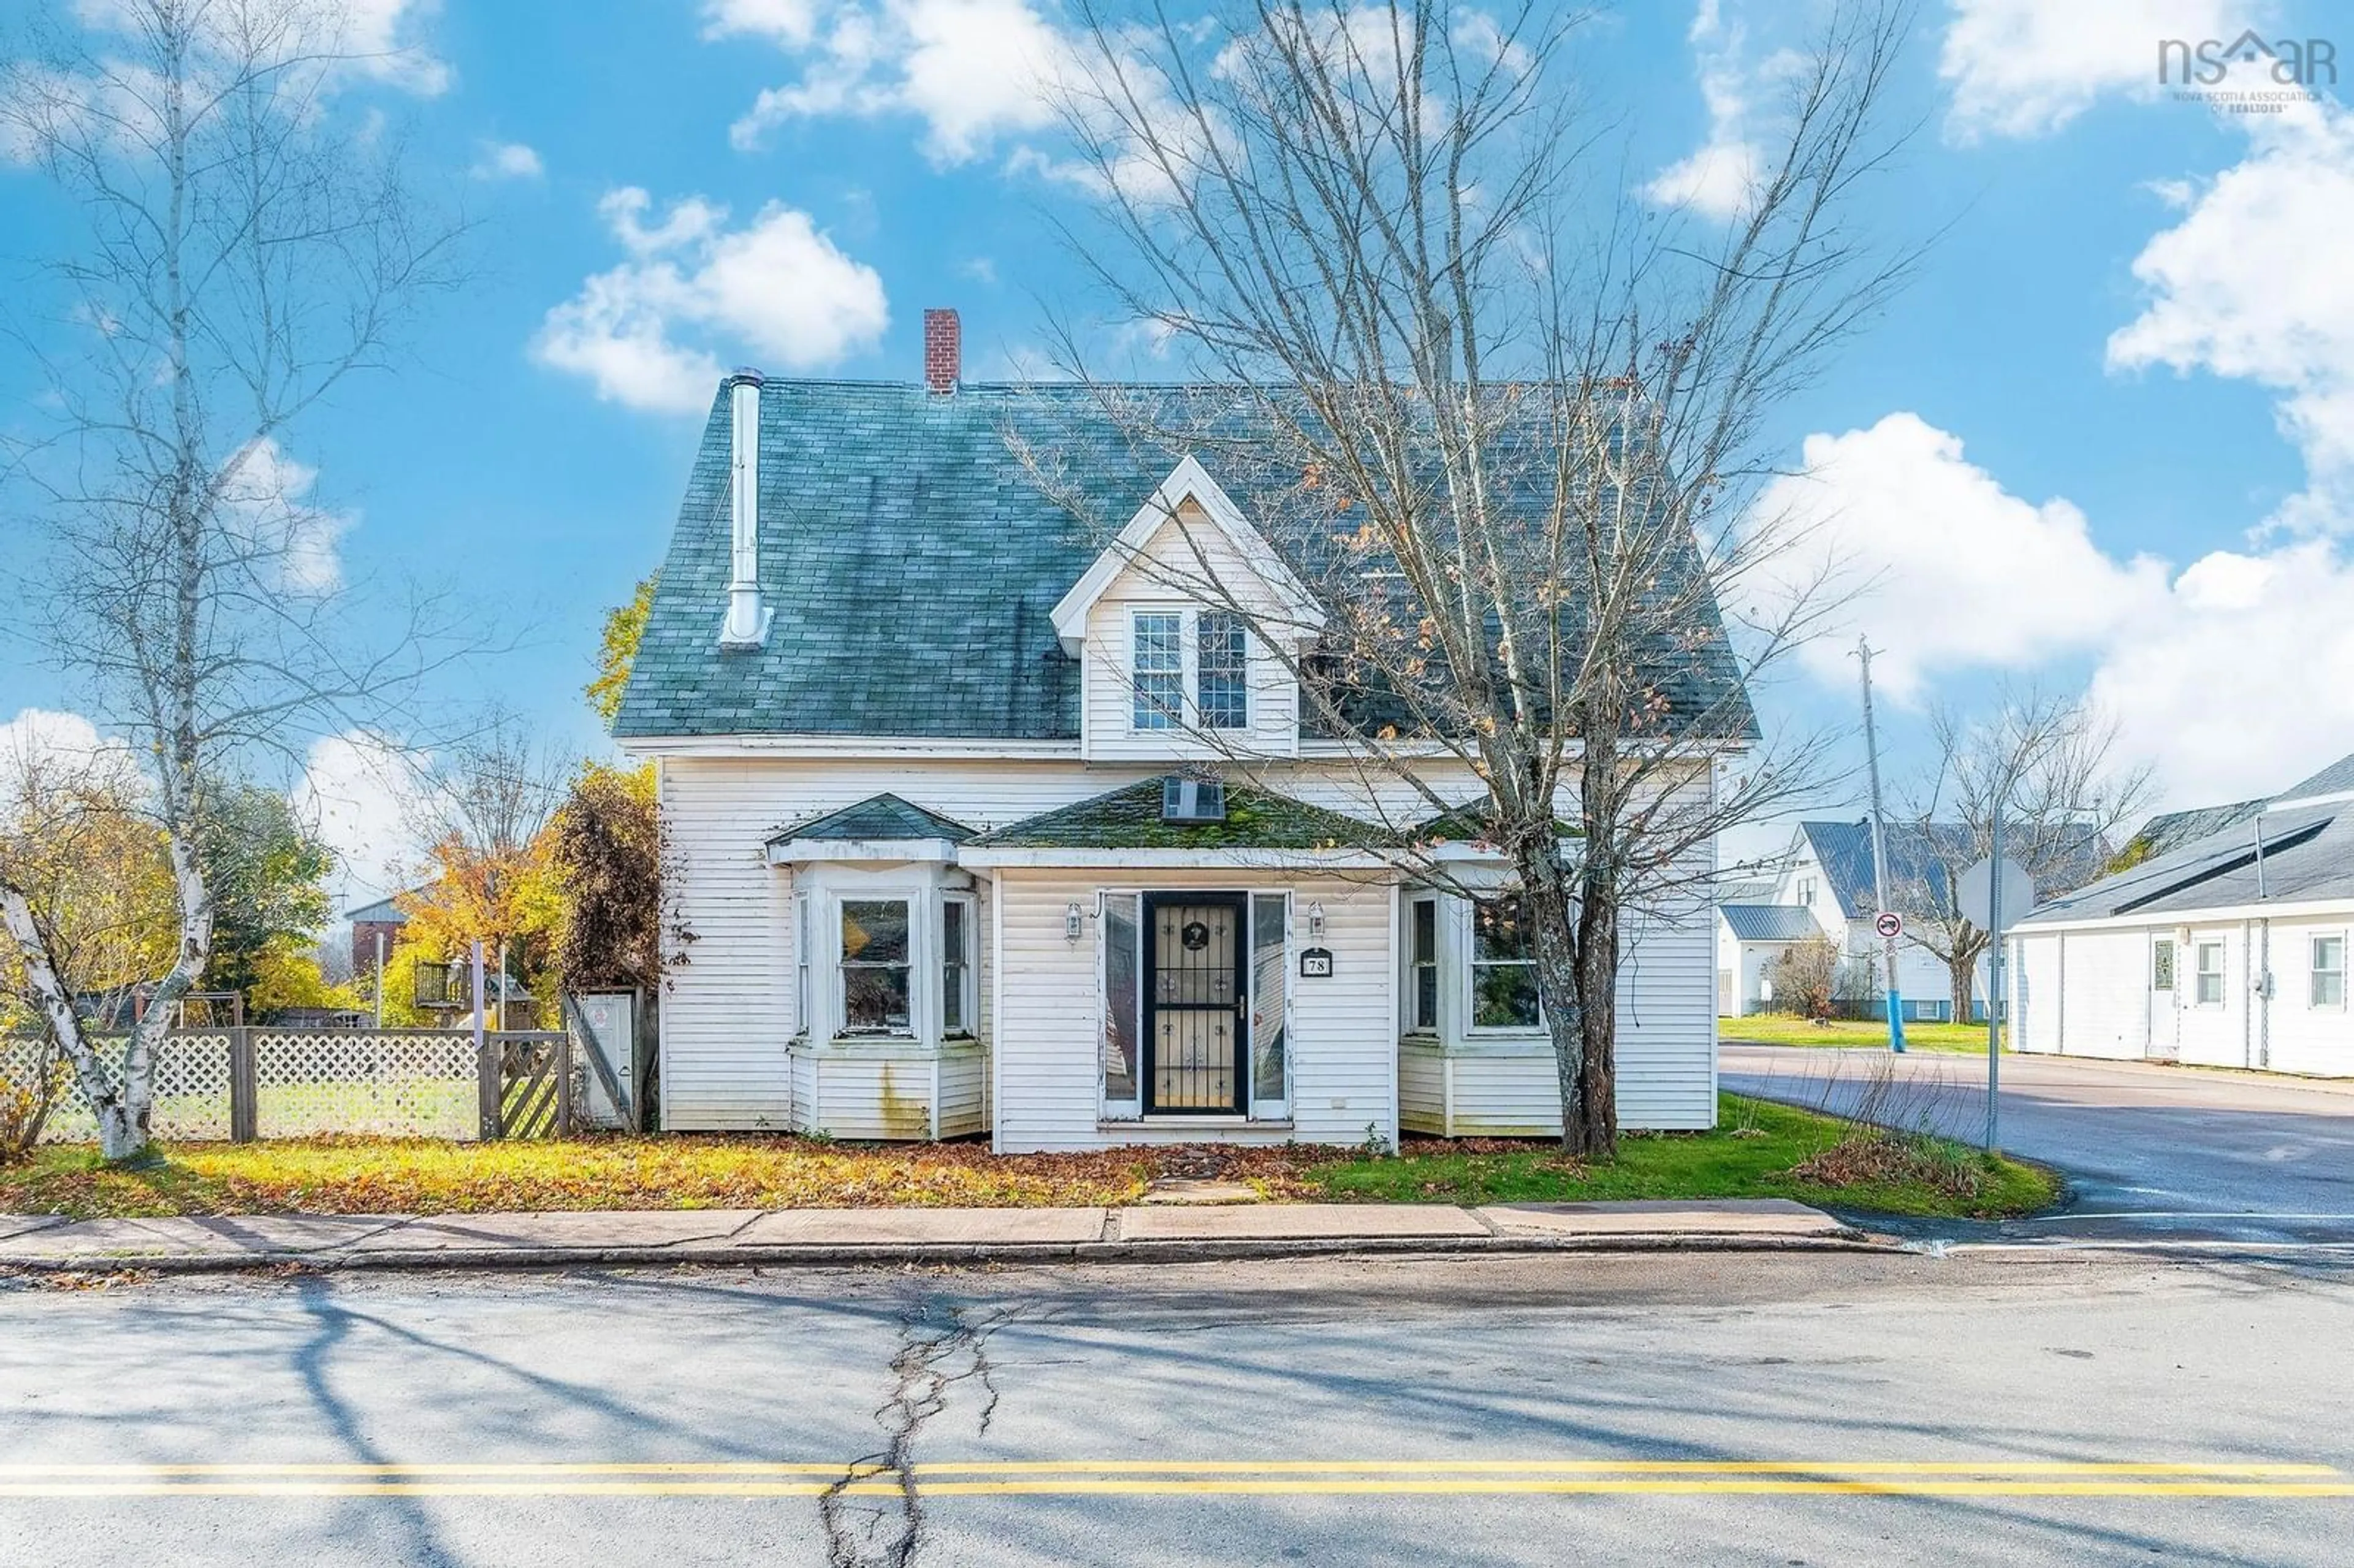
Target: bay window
<point x="1421" y="966"/>
<point x="957" y="1000"/>
<point x="1503" y="966"/>
<point x="877" y="996"/>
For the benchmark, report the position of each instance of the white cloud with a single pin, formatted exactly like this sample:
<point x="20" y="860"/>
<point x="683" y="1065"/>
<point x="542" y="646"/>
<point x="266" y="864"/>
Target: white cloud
<point x="60" y="747"/>
<point x="288" y="543"/>
<point x="788" y="22"/>
<point x="376" y="40"/>
<point x="1951" y="571"/>
<point x="2244" y="683"/>
<point x="359" y="793"/>
<point x="2251" y="284"/>
<point x="2025" y="68"/>
<point x="777" y="286"/>
<point x="2234" y="676"/>
<point x="508" y="160"/>
<point x="974" y="72"/>
<point x="1717" y="180"/>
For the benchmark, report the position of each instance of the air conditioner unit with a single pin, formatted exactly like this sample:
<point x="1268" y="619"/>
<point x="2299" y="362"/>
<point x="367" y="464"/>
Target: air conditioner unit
<point x="1192" y="801"/>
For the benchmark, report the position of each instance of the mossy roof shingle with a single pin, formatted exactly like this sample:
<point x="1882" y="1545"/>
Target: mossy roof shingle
<point x="882" y="816"/>
<point x="912" y="563"/>
<point x="1129" y="818"/>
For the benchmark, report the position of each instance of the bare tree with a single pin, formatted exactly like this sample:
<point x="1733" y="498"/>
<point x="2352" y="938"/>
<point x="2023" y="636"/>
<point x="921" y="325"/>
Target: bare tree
<point x="244" y="251"/>
<point x="2050" y="762"/>
<point x="1503" y="421"/>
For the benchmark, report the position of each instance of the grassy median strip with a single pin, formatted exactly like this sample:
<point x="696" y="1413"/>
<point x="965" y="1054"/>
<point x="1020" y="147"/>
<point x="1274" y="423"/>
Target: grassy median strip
<point x="1782" y="1029"/>
<point x="1759" y="1151"/>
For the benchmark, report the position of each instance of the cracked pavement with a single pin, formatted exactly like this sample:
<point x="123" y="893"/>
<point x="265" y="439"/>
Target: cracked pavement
<point x="923" y="1418"/>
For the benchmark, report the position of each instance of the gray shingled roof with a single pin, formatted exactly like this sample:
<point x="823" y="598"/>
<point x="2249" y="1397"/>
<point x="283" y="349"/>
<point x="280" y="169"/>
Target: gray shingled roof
<point x="2308" y="855"/>
<point x="1129" y="818"/>
<point x="912" y="562"/>
<point x="1915" y="854"/>
<point x="885" y="816"/>
<point x="383" y="912"/>
<point x="2170" y="831"/>
<point x="2335" y="779"/>
<point x="1769" y="922"/>
<point x="1918" y="854"/>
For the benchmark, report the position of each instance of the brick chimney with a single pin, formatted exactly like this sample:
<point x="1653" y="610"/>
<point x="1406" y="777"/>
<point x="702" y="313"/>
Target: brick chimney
<point x="943" y="351"/>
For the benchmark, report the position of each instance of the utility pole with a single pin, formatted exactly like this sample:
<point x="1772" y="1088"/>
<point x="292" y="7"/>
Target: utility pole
<point x="379" y="980"/>
<point x="1880" y="856"/>
<point x="1994" y="973"/>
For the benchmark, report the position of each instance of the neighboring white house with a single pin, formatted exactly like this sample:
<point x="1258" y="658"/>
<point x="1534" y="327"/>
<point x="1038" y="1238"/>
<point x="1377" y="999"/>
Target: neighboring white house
<point x="1824" y="885"/>
<point x="2228" y="950"/>
<point x="950" y="863"/>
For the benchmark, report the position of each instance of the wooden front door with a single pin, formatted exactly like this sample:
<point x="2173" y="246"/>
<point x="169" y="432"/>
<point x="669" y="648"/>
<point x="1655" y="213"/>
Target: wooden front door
<point x="1195" y="1003"/>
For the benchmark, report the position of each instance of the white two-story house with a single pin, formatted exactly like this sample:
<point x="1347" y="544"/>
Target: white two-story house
<point x="976" y="824"/>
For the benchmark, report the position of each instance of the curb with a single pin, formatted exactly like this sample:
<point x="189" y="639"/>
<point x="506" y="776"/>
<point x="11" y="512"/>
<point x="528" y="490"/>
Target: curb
<point x="846" y="1255"/>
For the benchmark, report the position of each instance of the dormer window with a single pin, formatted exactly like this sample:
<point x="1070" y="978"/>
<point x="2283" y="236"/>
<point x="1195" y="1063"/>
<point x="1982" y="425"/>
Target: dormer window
<point x="1223" y="661"/>
<point x="1159" y="667"/>
<point x="1190" y="662"/>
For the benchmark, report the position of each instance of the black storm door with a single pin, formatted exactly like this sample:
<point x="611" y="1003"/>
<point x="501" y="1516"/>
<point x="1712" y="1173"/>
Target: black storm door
<point x="1195" y="1009"/>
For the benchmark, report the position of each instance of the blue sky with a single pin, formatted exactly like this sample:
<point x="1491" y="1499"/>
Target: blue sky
<point x="2105" y="438"/>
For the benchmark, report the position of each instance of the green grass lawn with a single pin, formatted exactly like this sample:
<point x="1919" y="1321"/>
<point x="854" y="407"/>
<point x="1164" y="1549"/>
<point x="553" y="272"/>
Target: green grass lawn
<point x="1782" y="1029"/>
<point x="1752" y="1155"/>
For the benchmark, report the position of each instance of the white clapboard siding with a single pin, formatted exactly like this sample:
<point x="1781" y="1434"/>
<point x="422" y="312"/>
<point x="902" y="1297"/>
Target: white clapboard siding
<point x="1666" y="1020"/>
<point x="2305" y="1038"/>
<point x="2104" y="1003"/>
<point x="964" y="1098"/>
<point x="2036" y="994"/>
<point x="1344" y="1053"/>
<point x="1422" y="1087"/>
<point x="727" y="1010"/>
<point x="876" y="1089"/>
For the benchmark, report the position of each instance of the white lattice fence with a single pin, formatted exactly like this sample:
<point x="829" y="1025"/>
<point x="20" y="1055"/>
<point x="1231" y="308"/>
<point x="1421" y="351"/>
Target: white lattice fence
<point x="392" y="1082"/>
<point x="192" y="1087"/>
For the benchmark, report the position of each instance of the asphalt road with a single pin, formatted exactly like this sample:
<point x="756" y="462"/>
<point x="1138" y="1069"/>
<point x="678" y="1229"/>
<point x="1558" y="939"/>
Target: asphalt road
<point x="1775" y="1410"/>
<point x="2152" y="1152"/>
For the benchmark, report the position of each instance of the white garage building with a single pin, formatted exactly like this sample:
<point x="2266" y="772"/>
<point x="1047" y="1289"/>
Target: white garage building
<point x="2229" y="951"/>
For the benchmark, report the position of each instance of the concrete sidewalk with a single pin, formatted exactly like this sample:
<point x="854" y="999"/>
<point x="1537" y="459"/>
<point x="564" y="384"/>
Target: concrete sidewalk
<point x="904" y="1236"/>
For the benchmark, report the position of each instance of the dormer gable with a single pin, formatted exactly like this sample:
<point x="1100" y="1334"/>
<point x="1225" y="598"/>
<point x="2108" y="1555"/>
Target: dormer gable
<point x="1188" y="627"/>
<point x="1179" y="539"/>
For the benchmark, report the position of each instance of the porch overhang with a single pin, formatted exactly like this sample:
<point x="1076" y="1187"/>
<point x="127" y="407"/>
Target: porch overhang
<point x="1009" y="856"/>
<point x="809" y="851"/>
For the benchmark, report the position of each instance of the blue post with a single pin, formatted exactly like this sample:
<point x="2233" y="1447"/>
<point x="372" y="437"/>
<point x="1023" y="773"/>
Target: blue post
<point x="1895" y="1023"/>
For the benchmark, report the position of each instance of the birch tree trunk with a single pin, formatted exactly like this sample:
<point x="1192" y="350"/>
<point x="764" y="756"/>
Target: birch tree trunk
<point x="243" y="248"/>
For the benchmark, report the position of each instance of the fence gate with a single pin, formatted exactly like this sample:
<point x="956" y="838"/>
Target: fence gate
<point x="527" y="1085"/>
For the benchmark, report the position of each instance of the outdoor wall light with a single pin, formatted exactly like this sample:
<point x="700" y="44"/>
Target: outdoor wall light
<point x="1072" y="915"/>
<point x="1316" y="921"/>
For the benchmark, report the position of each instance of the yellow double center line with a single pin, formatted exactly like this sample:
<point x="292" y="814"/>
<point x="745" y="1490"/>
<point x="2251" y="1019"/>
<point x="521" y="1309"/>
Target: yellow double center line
<point x="1151" y="1477"/>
